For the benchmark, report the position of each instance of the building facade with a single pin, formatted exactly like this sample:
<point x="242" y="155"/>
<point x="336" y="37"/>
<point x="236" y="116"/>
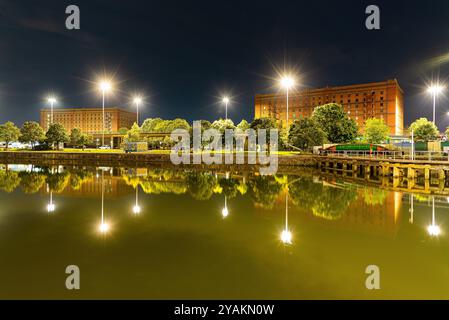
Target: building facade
<point x="89" y="120"/>
<point x="383" y="100"/>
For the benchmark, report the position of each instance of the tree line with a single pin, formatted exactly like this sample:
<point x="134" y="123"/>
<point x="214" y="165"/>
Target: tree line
<point x="328" y="123"/>
<point x="32" y="133"/>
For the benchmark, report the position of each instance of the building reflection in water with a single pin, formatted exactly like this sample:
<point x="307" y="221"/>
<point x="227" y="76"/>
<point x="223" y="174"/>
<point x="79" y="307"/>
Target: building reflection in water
<point x="329" y="201"/>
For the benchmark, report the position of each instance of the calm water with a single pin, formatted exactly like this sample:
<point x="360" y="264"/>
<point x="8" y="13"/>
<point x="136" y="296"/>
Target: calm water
<point x="167" y="234"/>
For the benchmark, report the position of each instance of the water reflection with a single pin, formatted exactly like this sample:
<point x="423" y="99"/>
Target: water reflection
<point x="50" y="206"/>
<point x="225" y="211"/>
<point x="433" y="229"/>
<point x="104" y="226"/>
<point x="286" y="235"/>
<point x="337" y="201"/>
<point x="344" y="225"/>
<point x="136" y="208"/>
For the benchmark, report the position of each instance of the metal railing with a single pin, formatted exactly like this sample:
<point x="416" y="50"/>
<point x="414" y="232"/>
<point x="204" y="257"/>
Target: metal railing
<point x="391" y="155"/>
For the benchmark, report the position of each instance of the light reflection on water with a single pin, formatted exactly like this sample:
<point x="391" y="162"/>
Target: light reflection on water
<point x="160" y="233"/>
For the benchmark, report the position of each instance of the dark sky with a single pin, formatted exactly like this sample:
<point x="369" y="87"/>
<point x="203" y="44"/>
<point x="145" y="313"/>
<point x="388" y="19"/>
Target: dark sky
<point x="184" y="54"/>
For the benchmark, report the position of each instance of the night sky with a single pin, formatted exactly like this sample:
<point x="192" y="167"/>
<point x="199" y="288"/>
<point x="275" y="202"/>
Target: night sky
<point x="183" y="55"/>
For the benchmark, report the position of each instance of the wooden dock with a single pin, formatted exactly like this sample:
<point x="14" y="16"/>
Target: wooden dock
<point x="396" y="168"/>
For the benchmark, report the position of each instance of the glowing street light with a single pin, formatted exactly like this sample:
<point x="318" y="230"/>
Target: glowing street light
<point x="136" y="208"/>
<point x="137" y="101"/>
<point x="433" y="229"/>
<point x="287" y="82"/>
<point x="435" y="90"/>
<point x="226" y="102"/>
<point x="105" y="86"/>
<point x="286" y="234"/>
<point x="51" y="100"/>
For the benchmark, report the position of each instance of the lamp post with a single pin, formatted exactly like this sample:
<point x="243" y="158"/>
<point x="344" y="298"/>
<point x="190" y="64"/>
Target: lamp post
<point x="287" y="82"/>
<point x="435" y="90"/>
<point x="105" y="86"/>
<point x="51" y="100"/>
<point x="226" y="102"/>
<point x="137" y="101"/>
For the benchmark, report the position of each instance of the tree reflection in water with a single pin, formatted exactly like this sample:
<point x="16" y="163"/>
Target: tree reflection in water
<point x="327" y="202"/>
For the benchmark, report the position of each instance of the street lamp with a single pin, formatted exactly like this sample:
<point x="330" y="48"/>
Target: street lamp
<point x="51" y="100"/>
<point x="105" y="86"/>
<point x="435" y="90"/>
<point x="137" y="101"/>
<point x="226" y="102"/>
<point x="287" y="82"/>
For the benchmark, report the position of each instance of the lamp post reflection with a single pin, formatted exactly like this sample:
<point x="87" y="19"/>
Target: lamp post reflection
<point x="433" y="229"/>
<point x="411" y="208"/>
<point x="137" y="209"/>
<point x="104" y="226"/>
<point x="225" y="211"/>
<point x="286" y="235"/>
<point x="50" y="206"/>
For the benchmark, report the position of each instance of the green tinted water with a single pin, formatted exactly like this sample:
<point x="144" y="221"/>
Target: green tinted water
<point x="167" y="234"/>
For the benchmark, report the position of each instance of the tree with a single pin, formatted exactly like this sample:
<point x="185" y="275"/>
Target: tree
<point x="376" y="130"/>
<point x="31" y="132"/>
<point x="243" y="125"/>
<point x="305" y="133"/>
<point x="424" y="130"/>
<point x="205" y="125"/>
<point x="149" y="125"/>
<point x="133" y="134"/>
<point x="123" y="130"/>
<point x="263" y="123"/>
<point x="85" y="139"/>
<point x="334" y="121"/>
<point x="56" y="133"/>
<point x="75" y="136"/>
<point x="9" y="132"/>
<point x="221" y="125"/>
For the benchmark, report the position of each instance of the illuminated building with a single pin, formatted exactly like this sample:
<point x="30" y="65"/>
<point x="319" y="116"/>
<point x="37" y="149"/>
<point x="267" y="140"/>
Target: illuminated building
<point x="383" y="100"/>
<point x="89" y="120"/>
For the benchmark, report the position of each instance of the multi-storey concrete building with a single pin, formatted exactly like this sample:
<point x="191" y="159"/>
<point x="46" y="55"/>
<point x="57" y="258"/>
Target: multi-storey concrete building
<point x="89" y="120"/>
<point x="382" y="100"/>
